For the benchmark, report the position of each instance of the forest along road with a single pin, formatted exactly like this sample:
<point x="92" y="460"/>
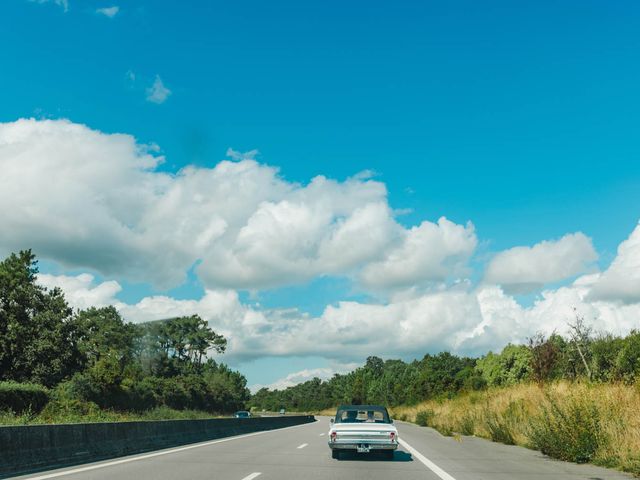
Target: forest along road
<point x="301" y="452"/>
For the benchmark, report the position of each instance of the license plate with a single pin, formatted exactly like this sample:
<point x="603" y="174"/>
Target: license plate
<point x="363" y="449"/>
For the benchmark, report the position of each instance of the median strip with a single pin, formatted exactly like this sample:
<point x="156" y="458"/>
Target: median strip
<point x="428" y="463"/>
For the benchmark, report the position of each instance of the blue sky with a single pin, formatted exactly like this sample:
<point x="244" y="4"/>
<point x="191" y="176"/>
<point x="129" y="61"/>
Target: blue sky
<point x="521" y="118"/>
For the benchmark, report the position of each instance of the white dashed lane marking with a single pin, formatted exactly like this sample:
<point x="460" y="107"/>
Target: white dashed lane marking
<point x="302" y="446"/>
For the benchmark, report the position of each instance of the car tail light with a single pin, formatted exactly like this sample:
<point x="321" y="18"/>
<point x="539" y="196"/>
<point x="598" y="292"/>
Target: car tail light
<point x="333" y="436"/>
<point x="392" y="436"/>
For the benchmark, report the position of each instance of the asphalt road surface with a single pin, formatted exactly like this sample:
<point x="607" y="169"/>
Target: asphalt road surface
<point x="301" y="453"/>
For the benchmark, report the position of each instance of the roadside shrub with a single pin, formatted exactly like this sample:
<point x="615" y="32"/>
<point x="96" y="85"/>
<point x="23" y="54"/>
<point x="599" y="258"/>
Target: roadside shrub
<point x="476" y="383"/>
<point x="467" y="424"/>
<point x="571" y="431"/>
<point x="424" y="418"/>
<point x="67" y="404"/>
<point x="499" y="429"/>
<point x="501" y="426"/>
<point x="628" y="360"/>
<point x="444" y="429"/>
<point x="22" y="397"/>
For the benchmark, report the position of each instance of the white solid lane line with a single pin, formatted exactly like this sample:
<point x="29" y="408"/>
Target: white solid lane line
<point x="157" y="454"/>
<point x="252" y="476"/>
<point x="302" y="446"/>
<point x="428" y="463"/>
<point x="322" y="434"/>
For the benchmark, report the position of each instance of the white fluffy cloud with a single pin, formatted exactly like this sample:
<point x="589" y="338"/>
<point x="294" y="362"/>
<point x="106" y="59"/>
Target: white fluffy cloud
<point x="158" y="92"/>
<point x="80" y="291"/>
<point x="297" y="377"/>
<point x="463" y="320"/>
<point x="621" y="281"/>
<point x="108" y="11"/>
<point x="460" y="318"/>
<point x="88" y="199"/>
<point x="428" y="252"/>
<point x="525" y="269"/>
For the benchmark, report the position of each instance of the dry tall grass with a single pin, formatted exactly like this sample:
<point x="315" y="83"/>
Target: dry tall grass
<point x="599" y="423"/>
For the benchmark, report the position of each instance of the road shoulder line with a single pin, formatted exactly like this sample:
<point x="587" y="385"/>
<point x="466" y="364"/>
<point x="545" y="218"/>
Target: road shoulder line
<point x="427" y="463"/>
<point x="252" y="476"/>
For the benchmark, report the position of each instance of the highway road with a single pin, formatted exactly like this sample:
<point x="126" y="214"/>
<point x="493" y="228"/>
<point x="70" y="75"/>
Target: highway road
<point x="301" y="453"/>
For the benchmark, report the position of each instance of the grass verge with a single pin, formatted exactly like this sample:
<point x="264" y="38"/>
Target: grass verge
<point x="90" y="413"/>
<point x="579" y="422"/>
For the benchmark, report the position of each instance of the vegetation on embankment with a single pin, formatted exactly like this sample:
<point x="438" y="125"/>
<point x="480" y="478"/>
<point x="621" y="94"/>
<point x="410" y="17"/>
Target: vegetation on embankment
<point x="91" y="413"/>
<point x="580" y="422"/>
<point x="58" y="365"/>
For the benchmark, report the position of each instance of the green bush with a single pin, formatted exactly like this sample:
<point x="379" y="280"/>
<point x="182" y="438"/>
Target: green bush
<point x="501" y="426"/>
<point x="499" y="429"/>
<point x="424" y="418"/>
<point x="467" y="425"/>
<point x="571" y="432"/>
<point x="20" y="397"/>
<point x="628" y="360"/>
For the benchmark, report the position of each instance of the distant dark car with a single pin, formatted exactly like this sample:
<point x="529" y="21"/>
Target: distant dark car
<point x="242" y="414"/>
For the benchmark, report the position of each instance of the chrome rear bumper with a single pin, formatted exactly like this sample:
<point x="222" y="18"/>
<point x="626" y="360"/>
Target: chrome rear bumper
<point x="353" y="445"/>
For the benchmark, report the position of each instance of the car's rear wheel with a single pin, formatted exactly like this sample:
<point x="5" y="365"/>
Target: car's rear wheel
<point x="335" y="454"/>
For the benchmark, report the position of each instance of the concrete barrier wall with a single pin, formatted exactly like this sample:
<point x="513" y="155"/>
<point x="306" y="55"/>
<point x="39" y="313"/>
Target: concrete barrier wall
<point x="25" y="449"/>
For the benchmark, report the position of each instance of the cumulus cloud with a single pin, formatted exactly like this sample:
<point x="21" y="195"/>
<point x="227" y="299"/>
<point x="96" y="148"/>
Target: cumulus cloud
<point x="61" y="3"/>
<point x="461" y="320"/>
<point x="621" y="281"/>
<point x="525" y="269"/>
<point x="158" y="92"/>
<point x="110" y="210"/>
<point x="108" y="11"/>
<point x="93" y="214"/>
<point x="297" y="377"/>
<point x="80" y="290"/>
<point x="428" y="252"/>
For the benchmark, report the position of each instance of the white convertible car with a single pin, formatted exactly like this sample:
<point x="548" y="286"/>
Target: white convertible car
<point x="363" y="429"/>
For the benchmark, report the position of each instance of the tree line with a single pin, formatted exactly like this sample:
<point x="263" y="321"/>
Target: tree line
<point x="93" y="356"/>
<point x="582" y="354"/>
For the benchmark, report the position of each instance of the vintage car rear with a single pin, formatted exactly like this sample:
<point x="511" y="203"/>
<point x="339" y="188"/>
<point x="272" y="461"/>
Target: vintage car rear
<point x="362" y="429"/>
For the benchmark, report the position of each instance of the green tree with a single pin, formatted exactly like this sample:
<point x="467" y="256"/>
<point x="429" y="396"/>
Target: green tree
<point x="509" y="367"/>
<point x="38" y="339"/>
<point x="628" y="358"/>
<point x="103" y="332"/>
<point x="543" y="358"/>
<point x="180" y="344"/>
